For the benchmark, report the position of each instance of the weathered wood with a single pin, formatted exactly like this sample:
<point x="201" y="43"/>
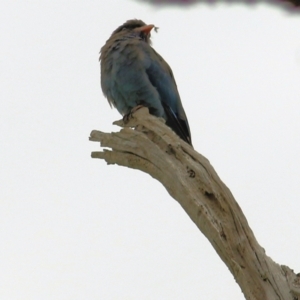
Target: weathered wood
<point x="190" y="179"/>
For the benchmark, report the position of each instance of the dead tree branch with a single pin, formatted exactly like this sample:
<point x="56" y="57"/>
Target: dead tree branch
<point x="190" y="179"/>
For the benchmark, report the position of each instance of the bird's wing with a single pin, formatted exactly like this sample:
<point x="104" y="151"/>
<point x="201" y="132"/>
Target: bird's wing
<point x="161" y="76"/>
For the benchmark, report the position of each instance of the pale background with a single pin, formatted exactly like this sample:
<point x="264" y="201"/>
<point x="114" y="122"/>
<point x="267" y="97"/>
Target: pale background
<point x="74" y="228"/>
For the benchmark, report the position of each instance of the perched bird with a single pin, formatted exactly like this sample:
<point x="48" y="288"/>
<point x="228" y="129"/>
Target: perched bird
<point x="134" y="74"/>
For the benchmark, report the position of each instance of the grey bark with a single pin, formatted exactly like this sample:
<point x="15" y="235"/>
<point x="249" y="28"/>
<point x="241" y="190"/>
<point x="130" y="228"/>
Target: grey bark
<point x="153" y="148"/>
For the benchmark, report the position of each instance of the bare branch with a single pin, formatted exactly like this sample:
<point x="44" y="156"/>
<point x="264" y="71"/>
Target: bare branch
<point x="189" y="178"/>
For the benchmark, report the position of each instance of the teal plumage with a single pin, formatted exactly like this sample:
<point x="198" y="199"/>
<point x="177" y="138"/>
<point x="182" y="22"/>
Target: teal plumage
<point x="133" y="73"/>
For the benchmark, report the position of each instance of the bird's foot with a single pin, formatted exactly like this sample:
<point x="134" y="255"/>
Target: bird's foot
<point x="128" y="116"/>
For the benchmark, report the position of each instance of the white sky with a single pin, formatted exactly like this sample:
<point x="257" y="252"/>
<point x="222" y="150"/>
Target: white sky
<point x="74" y="228"/>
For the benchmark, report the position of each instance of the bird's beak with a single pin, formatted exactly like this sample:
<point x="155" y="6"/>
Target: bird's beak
<point x="146" y="29"/>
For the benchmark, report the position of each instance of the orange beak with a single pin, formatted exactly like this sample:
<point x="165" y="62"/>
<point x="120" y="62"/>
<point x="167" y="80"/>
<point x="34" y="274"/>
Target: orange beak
<point x="146" y="29"/>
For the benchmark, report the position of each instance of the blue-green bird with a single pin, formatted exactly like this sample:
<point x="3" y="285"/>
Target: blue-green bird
<point x="134" y="74"/>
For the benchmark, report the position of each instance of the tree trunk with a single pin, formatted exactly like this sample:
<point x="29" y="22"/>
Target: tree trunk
<point x="154" y="148"/>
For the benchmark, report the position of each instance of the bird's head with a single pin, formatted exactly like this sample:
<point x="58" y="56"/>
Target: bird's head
<point x="136" y="27"/>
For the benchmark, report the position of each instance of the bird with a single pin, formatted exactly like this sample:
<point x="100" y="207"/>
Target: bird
<point x="133" y="74"/>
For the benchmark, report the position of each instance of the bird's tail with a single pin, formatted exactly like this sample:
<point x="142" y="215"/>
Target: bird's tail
<point x="181" y="127"/>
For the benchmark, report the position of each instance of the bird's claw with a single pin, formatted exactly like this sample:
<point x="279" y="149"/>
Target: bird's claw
<point x="128" y="116"/>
